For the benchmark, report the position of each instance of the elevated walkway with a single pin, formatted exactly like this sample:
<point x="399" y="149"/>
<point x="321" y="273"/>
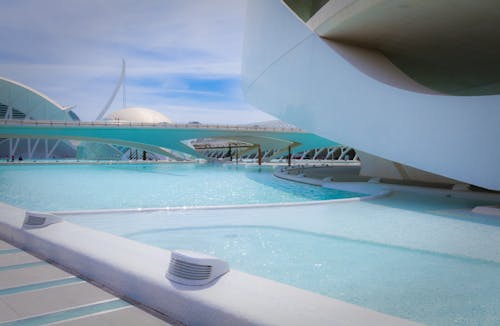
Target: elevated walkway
<point x="156" y="137"/>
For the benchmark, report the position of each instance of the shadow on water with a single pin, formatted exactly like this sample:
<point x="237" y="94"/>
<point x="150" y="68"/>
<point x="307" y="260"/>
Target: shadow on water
<point x="310" y="192"/>
<point x="440" y="206"/>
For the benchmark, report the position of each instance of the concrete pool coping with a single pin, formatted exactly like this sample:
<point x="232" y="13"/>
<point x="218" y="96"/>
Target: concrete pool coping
<point x="36" y="292"/>
<point x="137" y="271"/>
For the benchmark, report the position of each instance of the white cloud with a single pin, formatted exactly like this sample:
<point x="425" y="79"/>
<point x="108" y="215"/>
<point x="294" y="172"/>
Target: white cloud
<point x="178" y="52"/>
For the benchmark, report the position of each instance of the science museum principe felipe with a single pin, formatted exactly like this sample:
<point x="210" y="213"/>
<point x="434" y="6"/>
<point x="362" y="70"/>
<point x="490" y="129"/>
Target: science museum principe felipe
<point x="411" y="85"/>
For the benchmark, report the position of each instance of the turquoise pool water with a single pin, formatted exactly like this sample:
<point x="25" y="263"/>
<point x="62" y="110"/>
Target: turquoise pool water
<point x="414" y="284"/>
<point x="118" y="186"/>
<point x="424" y="258"/>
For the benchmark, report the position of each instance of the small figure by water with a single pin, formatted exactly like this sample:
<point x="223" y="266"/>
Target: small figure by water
<point x="20" y="158"/>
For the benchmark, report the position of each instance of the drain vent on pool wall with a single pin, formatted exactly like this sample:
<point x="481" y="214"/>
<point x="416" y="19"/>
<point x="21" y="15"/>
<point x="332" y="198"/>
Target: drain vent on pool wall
<point x="193" y="268"/>
<point x="33" y="220"/>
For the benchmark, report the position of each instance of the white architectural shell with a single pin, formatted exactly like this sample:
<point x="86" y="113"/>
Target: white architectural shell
<point x="18" y="101"/>
<point x="356" y="97"/>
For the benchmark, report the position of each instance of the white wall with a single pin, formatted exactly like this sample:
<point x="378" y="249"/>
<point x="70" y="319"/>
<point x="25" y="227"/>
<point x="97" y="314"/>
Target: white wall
<point x="293" y="74"/>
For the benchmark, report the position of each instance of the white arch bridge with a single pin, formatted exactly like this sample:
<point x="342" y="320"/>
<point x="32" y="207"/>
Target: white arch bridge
<point x="161" y="137"/>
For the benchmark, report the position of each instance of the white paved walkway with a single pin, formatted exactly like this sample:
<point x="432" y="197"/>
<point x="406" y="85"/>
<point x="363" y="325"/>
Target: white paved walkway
<point x="34" y="292"/>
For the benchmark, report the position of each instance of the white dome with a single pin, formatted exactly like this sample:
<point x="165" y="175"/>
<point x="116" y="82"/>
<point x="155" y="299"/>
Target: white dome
<point x="138" y="114"/>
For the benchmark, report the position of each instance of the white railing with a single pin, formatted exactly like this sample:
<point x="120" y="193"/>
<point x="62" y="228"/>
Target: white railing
<point x="117" y="123"/>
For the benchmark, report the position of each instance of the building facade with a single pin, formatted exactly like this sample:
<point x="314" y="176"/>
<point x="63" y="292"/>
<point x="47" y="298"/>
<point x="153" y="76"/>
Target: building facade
<point x="413" y="86"/>
<point x="18" y="101"/>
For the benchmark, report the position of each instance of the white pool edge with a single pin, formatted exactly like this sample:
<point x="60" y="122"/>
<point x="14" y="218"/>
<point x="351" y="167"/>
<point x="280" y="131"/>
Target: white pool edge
<point x="137" y="271"/>
<point x="215" y="207"/>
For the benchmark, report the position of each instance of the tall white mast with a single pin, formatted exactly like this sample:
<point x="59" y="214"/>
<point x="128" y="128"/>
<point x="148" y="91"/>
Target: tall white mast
<point x="121" y="81"/>
<point x="124" y="82"/>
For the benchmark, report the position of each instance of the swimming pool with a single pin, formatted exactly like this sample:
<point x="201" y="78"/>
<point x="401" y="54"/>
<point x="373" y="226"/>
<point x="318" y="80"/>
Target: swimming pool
<point x="414" y="284"/>
<point x="425" y="258"/>
<point x="118" y="186"/>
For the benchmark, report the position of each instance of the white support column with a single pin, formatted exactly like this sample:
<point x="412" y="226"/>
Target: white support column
<point x="8" y="114"/>
<point x="13" y="147"/>
<point x="345" y="150"/>
<point x="46" y="148"/>
<point x="117" y="150"/>
<point x="330" y="152"/>
<point x="316" y="152"/>
<point x="33" y="149"/>
<point x="319" y="151"/>
<point x="342" y="152"/>
<point x="54" y="147"/>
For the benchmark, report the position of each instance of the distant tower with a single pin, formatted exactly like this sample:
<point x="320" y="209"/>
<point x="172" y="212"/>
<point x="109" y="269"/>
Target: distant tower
<point x="124" y="82"/>
<point x="121" y="82"/>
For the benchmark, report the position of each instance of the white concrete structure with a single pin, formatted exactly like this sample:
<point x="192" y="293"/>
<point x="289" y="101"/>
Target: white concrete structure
<point x="18" y="101"/>
<point x="412" y="86"/>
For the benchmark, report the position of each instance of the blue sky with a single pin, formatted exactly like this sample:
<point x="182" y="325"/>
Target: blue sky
<point x="183" y="56"/>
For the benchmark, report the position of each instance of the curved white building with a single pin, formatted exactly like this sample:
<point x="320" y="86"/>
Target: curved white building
<point x="412" y="85"/>
<point x="18" y="101"/>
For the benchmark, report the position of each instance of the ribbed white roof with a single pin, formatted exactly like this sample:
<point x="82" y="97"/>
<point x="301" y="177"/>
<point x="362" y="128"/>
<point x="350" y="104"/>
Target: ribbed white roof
<point x="138" y="114"/>
<point x="29" y="101"/>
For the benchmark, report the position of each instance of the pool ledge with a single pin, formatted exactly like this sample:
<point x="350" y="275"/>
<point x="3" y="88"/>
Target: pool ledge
<point x="137" y="271"/>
